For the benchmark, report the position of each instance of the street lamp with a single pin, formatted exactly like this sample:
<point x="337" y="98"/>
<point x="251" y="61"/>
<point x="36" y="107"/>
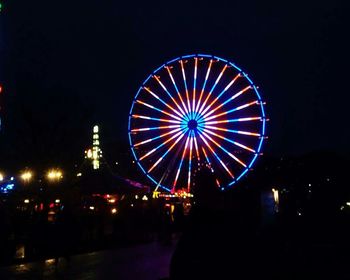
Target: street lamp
<point x="54" y="175"/>
<point x="26" y="176"/>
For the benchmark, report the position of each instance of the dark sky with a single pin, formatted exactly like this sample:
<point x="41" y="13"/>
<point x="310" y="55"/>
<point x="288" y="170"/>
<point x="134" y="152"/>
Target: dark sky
<point x="66" y="65"/>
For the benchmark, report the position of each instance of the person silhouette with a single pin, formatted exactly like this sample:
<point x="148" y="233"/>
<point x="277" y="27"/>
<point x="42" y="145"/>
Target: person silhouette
<point x="219" y="240"/>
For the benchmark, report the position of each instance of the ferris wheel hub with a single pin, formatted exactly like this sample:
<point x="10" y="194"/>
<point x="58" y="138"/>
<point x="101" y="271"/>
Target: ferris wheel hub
<point x="192" y="124"/>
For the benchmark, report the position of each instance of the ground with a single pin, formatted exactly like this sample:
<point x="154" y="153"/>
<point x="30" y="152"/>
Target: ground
<point x="147" y="261"/>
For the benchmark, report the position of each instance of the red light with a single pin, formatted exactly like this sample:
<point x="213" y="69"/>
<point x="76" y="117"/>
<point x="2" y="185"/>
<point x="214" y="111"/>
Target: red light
<point x="0" y="88"/>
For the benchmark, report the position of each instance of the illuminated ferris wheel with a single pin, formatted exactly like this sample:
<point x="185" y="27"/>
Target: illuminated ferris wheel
<point x="193" y="110"/>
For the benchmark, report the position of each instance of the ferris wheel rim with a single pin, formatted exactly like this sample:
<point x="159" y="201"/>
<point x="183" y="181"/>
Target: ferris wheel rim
<point x="259" y="101"/>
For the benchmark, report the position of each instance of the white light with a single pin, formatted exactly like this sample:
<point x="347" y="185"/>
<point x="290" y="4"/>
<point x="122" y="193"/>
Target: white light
<point x="145" y="198"/>
<point x="1" y="177"/>
<point x="114" y="211"/>
<point x="96" y="129"/>
<point x="92" y="208"/>
<point x="79" y="174"/>
<point x="89" y="153"/>
<point x="136" y="197"/>
<point x="348" y="203"/>
<point x="57" y="201"/>
<point x="26" y="201"/>
<point x="275" y="195"/>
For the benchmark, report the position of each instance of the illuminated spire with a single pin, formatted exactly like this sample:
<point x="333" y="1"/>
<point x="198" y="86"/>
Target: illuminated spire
<point x="95" y="153"/>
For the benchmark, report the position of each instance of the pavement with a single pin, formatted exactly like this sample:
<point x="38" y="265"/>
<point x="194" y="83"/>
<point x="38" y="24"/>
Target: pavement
<point x="147" y="261"/>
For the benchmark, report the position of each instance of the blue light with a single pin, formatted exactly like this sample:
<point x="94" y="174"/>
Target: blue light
<point x="188" y="56"/>
<point x="160" y="67"/>
<point x="6" y="188"/>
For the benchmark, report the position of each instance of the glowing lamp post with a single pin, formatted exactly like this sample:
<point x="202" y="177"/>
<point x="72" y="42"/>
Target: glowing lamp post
<point x="54" y="175"/>
<point x="95" y="153"/>
<point x="27" y="176"/>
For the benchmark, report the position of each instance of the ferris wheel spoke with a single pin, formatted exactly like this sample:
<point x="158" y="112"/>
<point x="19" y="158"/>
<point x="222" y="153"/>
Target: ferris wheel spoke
<point x="216" y="156"/>
<point x="167" y="152"/>
<point x="186" y="89"/>
<point x="154" y="119"/>
<point x="212" y="89"/>
<point x="224" y="103"/>
<point x="157" y="109"/>
<point x="233" y="131"/>
<point x="224" y="90"/>
<point x="176" y="88"/>
<point x="229" y="140"/>
<point x="203" y="88"/>
<point x="233" y="120"/>
<point x="256" y="102"/>
<point x="162" y="145"/>
<point x="222" y="148"/>
<point x="194" y="85"/>
<point x="180" y="164"/>
<point x="189" y="163"/>
<point x="163" y="102"/>
<point x="169" y="94"/>
<point x="157" y="137"/>
<point x="142" y="129"/>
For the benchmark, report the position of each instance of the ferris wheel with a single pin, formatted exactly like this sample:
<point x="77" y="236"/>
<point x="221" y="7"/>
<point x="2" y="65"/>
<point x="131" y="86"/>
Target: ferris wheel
<point x="193" y="110"/>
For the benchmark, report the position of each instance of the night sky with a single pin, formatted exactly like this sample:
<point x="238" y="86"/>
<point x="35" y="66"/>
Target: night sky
<point x="66" y="65"/>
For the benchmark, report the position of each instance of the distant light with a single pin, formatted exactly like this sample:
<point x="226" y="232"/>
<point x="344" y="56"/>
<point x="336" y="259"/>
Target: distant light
<point x="155" y="194"/>
<point x="26" y="201"/>
<point x="136" y="196"/>
<point x="117" y="163"/>
<point x="114" y="211"/>
<point x="309" y="185"/>
<point x="112" y="200"/>
<point x="96" y="129"/>
<point x="328" y="179"/>
<point x="1" y="177"/>
<point x="89" y="153"/>
<point x="132" y="205"/>
<point x="145" y="198"/>
<point x="79" y="174"/>
<point x="299" y="213"/>
<point x="92" y="208"/>
<point x="57" y="201"/>
<point x="50" y="261"/>
<point x="348" y="203"/>
<point x="27" y="176"/>
<point x="54" y="175"/>
<point x="275" y="195"/>
<point x="12" y="178"/>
